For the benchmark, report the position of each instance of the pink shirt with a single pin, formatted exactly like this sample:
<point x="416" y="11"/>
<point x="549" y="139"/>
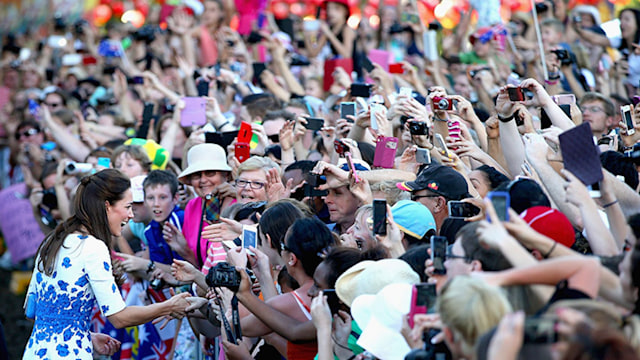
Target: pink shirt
<point x="211" y="252"/>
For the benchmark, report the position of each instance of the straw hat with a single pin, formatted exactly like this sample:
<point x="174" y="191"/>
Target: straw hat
<point x="204" y="157"/>
<point x="369" y="277"/>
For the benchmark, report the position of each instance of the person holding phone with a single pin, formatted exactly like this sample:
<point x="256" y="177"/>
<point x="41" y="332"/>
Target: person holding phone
<point x="208" y="173"/>
<point x="73" y="272"/>
<point x="335" y="31"/>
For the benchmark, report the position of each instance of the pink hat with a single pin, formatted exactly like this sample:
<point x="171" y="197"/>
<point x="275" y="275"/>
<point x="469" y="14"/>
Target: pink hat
<point x="551" y="223"/>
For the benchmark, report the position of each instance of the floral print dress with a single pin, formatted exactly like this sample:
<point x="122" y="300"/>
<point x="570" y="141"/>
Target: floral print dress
<point x="81" y="276"/>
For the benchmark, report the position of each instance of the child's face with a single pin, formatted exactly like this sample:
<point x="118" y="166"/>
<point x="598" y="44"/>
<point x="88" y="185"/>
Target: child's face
<point x="159" y="201"/>
<point x="128" y="165"/>
<point x="550" y="37"/>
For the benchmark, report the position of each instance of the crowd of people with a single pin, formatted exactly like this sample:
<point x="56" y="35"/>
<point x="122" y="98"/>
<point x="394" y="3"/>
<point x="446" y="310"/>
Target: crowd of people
<point x="296" y="188"/>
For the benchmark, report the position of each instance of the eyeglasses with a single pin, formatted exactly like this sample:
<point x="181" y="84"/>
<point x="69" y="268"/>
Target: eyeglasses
<point x="416" y="197"/>
<point x="199" y="174"/>
<point x="284" y="247"/>
<point x="592" y="109"/>
<point x="26" y="133"/>
<point x="255" y="185"/>
<point x="53" y="105"/>
<point x="450" y="255"/>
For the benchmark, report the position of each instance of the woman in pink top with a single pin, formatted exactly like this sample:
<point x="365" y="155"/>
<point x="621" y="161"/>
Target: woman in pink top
<point x="207" y="172"/>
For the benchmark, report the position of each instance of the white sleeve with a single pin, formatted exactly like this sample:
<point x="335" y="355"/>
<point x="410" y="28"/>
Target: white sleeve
<point x="98" y="268"/>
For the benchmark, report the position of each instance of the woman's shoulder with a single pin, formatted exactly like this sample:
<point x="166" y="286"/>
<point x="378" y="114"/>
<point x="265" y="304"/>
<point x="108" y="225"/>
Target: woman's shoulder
<point x="86" y="242"/>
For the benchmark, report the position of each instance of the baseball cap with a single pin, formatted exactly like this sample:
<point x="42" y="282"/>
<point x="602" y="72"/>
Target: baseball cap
<point x="413" y="218"/>
<point x="551" y="223"/>
<point x="441" y="180"/>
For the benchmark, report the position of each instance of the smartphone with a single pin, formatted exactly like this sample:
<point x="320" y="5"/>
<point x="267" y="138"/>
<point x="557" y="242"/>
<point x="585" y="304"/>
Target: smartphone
<point x="367" y="64"/>
<point x="418" y="128"/>
<point x="254" y="38"/>
<point x="89" y="60"/>
<point x="310" y="191"/>
<point x="315" y="180"/>
<point x="347" y="108"/>
<point x="361" y="90"/>
<point x="423" y="156"/>
<point x="203" y="88"/>
<point x="515" y="94"/>
<point x="194" y="112"/>
<point x="625" y="110"/>
<point x="375" y="108"/>
<point x="594" y="190"/>
<point x="105" y="162"/>
<point x="396" y="68"/>
<point x="438" y="254"/>
<point x="340" y="147"/>
<point x="385" y="154"/>
<point x="71" y="59"/>
<point x="258" y="68"/>
<point x="242" y="152"/>
<point x="423" y="298"/>
<point x="332" y="300"/>
<point x="212" y="210"/>
<point x="501" y="202"/>
<point x="352" y="168"/>
<point x="440" y="142"/>
<point x="245" y="133"/>
<point x="545" y="121"/>
<point x="56" y="41"/>
<point x="311" y="25"/>
<point x="564" y="99"/>
<point x="540" y="331"/>
<point x="147" y="114"/>
<point x="462" y="210"/>
<point x="249" y="236"/>
<point x="405" y="91"/>
<point x="314" y="123"/>
<point x="380" y="217"/>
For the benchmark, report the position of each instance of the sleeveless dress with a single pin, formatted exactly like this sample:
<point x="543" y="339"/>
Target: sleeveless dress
<point x="305" y="350"/>
<point x="81" y="276"/>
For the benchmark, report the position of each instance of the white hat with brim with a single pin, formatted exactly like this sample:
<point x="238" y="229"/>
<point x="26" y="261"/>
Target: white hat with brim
<point x="369" y="277"/>
<point x="381" y="317"/>
<point x="204" y="157"/>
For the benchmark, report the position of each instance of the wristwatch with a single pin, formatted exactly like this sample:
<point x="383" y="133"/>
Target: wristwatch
<point x="151" y="266"/>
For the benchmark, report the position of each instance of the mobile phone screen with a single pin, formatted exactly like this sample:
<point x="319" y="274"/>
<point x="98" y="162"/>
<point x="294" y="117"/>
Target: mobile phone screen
<point x="249" y="237"/>
<point x="315" y="123"/>
<point x="515" y="94"/>
<point x="347" y="108"/>
<point x="438" y="254"/>
<point x="380" y="217"/>
<point x="461" y="210"/>
<point x="501" y="204"/>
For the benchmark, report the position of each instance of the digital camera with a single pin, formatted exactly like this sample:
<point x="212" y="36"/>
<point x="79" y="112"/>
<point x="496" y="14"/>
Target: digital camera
<point x="442" y="103"/>
<point x="223" y="275"/>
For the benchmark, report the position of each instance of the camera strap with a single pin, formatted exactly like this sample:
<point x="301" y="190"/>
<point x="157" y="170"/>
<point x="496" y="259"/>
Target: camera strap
<point x="234" y="335"/>
<point x="198" y="244"/>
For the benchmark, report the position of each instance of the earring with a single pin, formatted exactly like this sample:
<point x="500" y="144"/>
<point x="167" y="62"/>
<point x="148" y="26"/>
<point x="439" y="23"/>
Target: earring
<point x="291" y="263"/>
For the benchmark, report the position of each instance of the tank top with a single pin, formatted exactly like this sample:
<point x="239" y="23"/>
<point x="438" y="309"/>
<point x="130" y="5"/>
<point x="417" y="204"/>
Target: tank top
<point x="306" y="350"/>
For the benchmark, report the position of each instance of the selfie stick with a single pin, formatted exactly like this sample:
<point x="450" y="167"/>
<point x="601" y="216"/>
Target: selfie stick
<point x="540" y="46"/>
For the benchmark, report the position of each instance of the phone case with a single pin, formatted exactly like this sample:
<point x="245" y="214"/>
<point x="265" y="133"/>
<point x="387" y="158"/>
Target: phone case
<point x="243" y="152"/>
<point x="245" y="133"/>
<point x="396" y="68"/>
<point x="385" y="154"/>
<point x="194" y="112"/>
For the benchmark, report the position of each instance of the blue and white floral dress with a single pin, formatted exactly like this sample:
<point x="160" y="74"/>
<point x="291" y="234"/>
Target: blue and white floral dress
<point x="82" y="275"/>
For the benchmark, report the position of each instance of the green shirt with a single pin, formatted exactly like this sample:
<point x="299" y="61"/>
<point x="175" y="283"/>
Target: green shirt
<point x="471" y="58"/>
<point x="352" y="341"/>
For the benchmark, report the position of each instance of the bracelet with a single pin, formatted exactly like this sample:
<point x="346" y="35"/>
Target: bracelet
<point x="550" y="250"/>
<point x="436" y="118"/>
<point x="549" y="82"/>
<point x="609" y="204"/>
<point x="506" y="119"/>
<point x="151" y="266"/>
<point x="335" y="341"/>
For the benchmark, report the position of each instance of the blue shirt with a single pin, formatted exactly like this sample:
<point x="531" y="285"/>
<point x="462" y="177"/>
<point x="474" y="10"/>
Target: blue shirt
<point x="159" y="250"/>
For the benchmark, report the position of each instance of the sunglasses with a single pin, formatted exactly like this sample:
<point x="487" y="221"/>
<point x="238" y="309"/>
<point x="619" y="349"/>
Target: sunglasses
<point x="275" y="138"/>
<point x="27" y="133"/>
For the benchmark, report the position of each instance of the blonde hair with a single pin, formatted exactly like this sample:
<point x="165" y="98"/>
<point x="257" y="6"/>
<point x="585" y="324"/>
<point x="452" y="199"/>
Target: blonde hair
<point x="391" y="191"/>
<point x="469" y="308"/>
<point x="258" y="163"/>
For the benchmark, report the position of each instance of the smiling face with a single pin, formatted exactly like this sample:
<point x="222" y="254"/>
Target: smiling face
<point x="159" y="201"/>
<point x="251" y="186"/>
<point x="361" y="232"/>
<point x="628" y="25"/>
<point x="320" y="277"/>
<point x="119" y="213"/>
<point x="342" y="206"/>
<point x="205" y="182"/>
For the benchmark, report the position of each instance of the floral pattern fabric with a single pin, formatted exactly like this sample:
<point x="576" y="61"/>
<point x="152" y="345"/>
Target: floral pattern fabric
<point x="81" y="277"/>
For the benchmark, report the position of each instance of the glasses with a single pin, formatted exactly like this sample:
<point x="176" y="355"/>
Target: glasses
<point x="416" y="197"/>
<point x="450" y="255"/>
<point x="255" y="185"/>
<point x="53" y="105"/>
<point x="26" y="133"/>
<point x="284" y="247"/>
<point x="199" y="174"/>
<point x="592" y="109"/>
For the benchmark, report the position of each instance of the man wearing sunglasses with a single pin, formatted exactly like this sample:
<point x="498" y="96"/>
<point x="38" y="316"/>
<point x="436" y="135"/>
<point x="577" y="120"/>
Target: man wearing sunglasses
<point x="29" y="138"/>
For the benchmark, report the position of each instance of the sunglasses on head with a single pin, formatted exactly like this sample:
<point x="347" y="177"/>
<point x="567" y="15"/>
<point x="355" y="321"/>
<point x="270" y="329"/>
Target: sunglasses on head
<point x="26" y="133"/>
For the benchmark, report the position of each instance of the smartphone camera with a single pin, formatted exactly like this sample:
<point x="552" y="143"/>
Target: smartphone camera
<point x="515" y="94"/>
<point x="442" y="103"/>
<point x="340" y="147"/>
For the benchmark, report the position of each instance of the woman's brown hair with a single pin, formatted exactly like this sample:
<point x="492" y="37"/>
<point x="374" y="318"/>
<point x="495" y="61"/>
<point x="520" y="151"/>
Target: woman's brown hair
<point x="90" y="214"/>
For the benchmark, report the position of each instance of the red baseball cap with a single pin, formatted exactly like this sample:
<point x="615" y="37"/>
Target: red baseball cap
<point x="551" y="223"/>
